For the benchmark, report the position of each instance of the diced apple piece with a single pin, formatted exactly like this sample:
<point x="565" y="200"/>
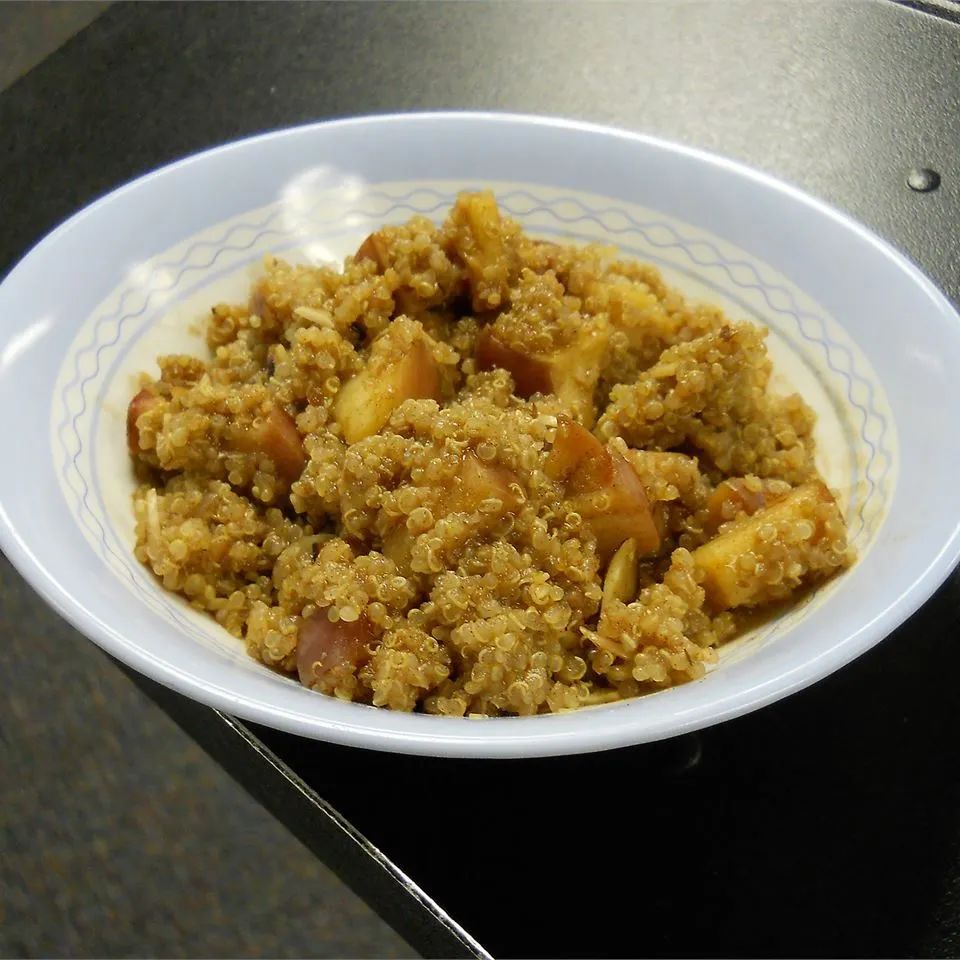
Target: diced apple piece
<point x="274" y="436"/>
<point x="574" y="372"/>
<point x="328" y="652"/>
<point x="480" y="242"/>
<point x="365" y="402"/>
<point x="578" y="459"/>
<point x="572" y="446"/>
<point x="739" y="496"/>
<point x="742" y="566"/>
<point x="374" y="248"/>
<point x="570" y="373"/>
<point x="620" y="583"/>
<point x="478" y="483"/>
<point x="620" y="511"/>
<point x="139" y="405"/>
<point x="604" y="489"/>
<point x="531" y="374"/>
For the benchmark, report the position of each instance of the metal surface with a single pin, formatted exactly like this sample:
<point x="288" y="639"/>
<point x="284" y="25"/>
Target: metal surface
<point x="825" y="824"/>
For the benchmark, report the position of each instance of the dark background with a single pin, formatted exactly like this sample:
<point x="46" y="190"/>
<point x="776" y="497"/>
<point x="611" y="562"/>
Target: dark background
<point x="825" y="825"/>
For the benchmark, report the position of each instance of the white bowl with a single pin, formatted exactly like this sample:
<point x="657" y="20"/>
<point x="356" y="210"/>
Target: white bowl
<point x="856" y="327"/>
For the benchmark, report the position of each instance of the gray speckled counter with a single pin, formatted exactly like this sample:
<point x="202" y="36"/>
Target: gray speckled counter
<point x="827" y="824"/>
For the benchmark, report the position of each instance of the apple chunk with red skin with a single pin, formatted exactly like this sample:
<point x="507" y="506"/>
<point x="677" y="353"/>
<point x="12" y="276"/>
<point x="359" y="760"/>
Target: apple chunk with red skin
<point x="139" y="405"/>
<point x="531" y="374"/>
<point x="477" y="482"/>
<point x="274" y="436"/>
<point x="604" y="489"/>
<point x="328" y="651"/>
<point x="570" y="373"/>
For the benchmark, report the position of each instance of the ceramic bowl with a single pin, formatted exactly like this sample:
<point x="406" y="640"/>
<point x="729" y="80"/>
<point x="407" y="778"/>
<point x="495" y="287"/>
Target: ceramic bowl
<point x="858" y="329"/>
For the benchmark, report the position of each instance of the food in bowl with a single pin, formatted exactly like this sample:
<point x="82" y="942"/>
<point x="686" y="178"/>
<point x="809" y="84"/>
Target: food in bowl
<point x="478" y="473"/>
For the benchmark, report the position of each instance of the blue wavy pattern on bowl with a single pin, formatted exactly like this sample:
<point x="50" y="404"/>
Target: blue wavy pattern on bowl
<point x="617" y="222"/>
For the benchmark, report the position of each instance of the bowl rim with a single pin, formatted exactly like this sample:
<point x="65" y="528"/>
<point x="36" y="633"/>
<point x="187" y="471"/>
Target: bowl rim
<point x="528" y="740"/>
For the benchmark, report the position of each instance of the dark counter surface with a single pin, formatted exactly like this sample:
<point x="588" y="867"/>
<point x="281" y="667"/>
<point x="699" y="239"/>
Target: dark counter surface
<point x="827" y="824"/>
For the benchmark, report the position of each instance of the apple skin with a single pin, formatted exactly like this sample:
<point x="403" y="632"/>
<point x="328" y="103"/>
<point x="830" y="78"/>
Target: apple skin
<point x="530" y="374"/>
<point x="326" y="649"/>
<point x="139" y="405"/>
<point x="275" y="436"/>
<point x="570" y="373"/>
<point x="604" y="489"/>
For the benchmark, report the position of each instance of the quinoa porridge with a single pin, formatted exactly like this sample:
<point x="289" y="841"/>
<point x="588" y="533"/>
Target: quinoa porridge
<point x="474" y="472"/>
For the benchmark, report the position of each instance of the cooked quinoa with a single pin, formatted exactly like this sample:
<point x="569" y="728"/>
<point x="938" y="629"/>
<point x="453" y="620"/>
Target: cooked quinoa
<point x="474" y="472"/>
